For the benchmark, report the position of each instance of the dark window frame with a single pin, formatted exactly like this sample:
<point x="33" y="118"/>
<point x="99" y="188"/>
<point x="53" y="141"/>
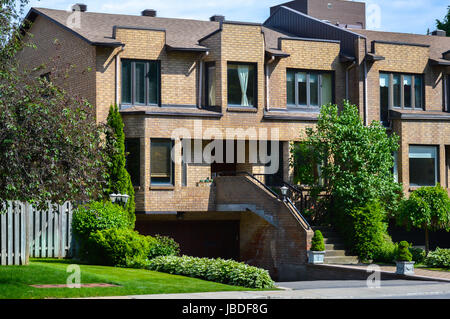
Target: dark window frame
<point x="436" y="163"/>
<point x="255" y="84"/>
<point x="402" y="106"/>
<point x="127" y="153"/>
<point x="172" y="164"/>
<point x="308" y="72"/>
<point x="447" y="93"/>
<point x="206" y="83"/>
<point x="147" y="102"/>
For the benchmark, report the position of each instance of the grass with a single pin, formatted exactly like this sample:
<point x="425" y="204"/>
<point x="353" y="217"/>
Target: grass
<point x="15" y="281"/>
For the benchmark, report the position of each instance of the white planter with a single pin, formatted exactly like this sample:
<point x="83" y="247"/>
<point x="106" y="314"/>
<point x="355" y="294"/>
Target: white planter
<point x="405" y="267"/>
<point x="316" y="257"/>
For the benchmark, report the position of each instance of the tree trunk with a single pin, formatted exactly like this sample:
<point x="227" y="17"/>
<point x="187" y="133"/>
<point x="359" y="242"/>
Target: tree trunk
<point x="427" y="242"/>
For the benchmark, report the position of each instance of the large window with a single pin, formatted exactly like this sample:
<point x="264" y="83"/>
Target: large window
<point x="309" y="89"/>
<point x="133" y="162"/>
<point x="140" y="82"/>
<point x="210" y="84"/>
<point x="242" y="88"/>
<point x="447" y="94"/>
<point x="400" y="91"/>
<point x="423" y="165"/>
<point x="161" y="164"/>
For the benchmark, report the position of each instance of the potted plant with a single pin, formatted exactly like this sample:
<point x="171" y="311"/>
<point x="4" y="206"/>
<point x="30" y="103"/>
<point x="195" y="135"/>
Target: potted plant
<point x="405" y="265"/>
<point x="317" y="252"/>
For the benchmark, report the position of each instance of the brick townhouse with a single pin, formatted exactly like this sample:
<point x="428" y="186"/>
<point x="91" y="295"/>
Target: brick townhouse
<point x="267" y="82"/>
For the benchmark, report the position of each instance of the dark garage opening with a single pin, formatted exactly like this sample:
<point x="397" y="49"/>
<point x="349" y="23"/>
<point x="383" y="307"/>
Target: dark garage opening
<point x="212" y="239"/>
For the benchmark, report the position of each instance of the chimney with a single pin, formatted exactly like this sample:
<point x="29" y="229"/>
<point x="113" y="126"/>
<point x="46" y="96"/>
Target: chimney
<point x="149" y="13"/>
<point x="217" y="18"/>
<point x="439" y="33"/>
<point x="79" y="7"/>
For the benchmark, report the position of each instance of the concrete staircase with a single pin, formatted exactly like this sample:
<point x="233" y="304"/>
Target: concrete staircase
<point x="334" y="247"/>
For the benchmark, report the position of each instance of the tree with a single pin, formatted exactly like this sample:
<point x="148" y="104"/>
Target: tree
<point x="445" y="23"/>
<point x="119" y="180"/>
<point x="50" y="145"/>
<point x="356" y="170"/>
<point x="428" y="208"/>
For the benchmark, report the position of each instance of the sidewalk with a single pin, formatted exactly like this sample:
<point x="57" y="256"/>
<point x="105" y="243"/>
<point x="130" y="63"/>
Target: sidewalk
<point x="421" y="289"/>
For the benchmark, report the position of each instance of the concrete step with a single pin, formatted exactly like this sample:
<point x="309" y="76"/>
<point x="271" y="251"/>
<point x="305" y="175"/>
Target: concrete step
<point x="333" y="240"/>
<point x="342" y="260"/>
<point x="334" y="247"/>
<point x="335" y="253"/>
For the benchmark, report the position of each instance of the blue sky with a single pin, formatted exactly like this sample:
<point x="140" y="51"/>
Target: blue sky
<point x="409" y="16"/>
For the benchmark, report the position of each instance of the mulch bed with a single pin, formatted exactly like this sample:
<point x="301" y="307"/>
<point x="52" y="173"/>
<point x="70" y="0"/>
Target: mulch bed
<point x="81" y="285"/>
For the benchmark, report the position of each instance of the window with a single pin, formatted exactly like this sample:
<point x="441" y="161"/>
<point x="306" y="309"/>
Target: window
<point x="161" y="164"/>
<point x="447" y="94"/>
<point x="384" y="99"/>
<point x="140" y="82"/>
<point x="133" y="161"/>
<point x="210" y="84"/>
<point x="242" y="84"/>
<point x="423" y="165"/>
<point x="309" y="89"/>
<point x="400" y="90"/>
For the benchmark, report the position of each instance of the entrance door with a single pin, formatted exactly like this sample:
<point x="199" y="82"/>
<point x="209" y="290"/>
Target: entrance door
<point x="226" y="169"/>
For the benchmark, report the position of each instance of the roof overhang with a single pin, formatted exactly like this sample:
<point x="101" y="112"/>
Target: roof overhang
<point x="343" y="58"/>
<point x="170" y="48"/>
<point x="439" y="62"/>
<point x="373" y="57"/>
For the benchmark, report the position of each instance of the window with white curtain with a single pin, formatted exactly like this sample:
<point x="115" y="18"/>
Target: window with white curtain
<point x="210" y="84"/>
<point x="423" y="165"/>
<point x="309" y="89"/>
<point x="401" y="91"/>
<point x="242" y="84"/>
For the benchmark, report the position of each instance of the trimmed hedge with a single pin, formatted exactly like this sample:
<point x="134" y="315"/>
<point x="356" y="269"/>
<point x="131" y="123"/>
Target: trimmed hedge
<point x="163" y="246"/>
<point x="317" y="243"/>
<point x="98" y="216"/>
<point x="440" y="258"/>
<point x="117" y="247"/>
<point x="228" y="272"/>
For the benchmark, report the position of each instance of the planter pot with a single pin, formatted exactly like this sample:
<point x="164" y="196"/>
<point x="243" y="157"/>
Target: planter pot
<point x="405" y="267"/>
<point x="316" y="257"/>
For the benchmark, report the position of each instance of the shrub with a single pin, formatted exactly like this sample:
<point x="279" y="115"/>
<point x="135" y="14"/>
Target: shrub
<point x="117" y="247"/>
<point x="418" y="254"/>
<point x="317" y="243"/>
<point x="98" y="216"/>
<point x="366" y="230"/>
<point x="164" y="246"/>
<point x="387" y="251"/>
<point x="403" y="253"/>
<point x="218" y="270"/>
<point x="440" y="258"/>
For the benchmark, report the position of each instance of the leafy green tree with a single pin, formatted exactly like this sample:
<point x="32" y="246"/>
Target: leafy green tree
<point x="445" y="23"/>
<point x="428" y="208"/>
<point x="119" y="180"/>
<point x="50" y="144"/>
<point x="356" y="167"/>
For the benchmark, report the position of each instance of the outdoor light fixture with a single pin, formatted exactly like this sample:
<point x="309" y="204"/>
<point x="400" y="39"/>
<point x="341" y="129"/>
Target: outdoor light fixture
<point x="120" y="199"/>
<point x="284" y="191"/>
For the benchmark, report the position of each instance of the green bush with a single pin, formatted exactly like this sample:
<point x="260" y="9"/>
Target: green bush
<point x="387" y="252"/>
<point x="418" y="254"/>
<point x="98" y="216"/>
<point x="403" y="253"/>
<point x="218" y="270"/>
<point x="317" y="243"/>
<point x="164" y="246"/>
<point x="117" y="247"/>
<point x="440" y="258"/>
<point x="365" y="230"/>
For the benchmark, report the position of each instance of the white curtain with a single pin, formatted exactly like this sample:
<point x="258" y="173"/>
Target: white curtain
<point x="243" y="71"/>
<point x="212" y="86"/>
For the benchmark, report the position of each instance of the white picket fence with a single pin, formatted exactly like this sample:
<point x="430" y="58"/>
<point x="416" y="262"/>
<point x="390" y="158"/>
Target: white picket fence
<point x="28" y="232"/>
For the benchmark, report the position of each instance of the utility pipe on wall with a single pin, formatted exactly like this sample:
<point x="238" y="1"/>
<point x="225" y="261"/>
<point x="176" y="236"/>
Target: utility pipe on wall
<point x="267" y="82"/>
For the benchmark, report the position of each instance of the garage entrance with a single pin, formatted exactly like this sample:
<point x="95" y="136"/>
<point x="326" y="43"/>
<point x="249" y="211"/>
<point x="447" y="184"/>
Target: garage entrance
<point x="212" y="239"/>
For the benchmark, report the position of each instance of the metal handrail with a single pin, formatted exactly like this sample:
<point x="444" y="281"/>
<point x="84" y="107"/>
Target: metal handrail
<point x="298" y="213"/>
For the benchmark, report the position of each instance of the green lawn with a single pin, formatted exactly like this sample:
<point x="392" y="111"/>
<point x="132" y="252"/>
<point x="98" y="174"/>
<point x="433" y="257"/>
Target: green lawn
<point x="15" y="281"/>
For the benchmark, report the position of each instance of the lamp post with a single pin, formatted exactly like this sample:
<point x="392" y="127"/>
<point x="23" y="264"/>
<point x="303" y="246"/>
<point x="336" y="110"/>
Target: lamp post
<point x="120" y="199"/>
<point x="284" y="191"/>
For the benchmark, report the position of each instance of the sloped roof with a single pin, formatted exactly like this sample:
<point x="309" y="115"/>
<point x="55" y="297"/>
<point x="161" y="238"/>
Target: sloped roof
<point x="97" y="28"/>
